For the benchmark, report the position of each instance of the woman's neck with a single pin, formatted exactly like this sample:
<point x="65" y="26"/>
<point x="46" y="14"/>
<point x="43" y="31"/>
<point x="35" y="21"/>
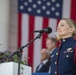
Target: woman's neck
<point x="66" y="37"/>
<point x="63" y="37"/>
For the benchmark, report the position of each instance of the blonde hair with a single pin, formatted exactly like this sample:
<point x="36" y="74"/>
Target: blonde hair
<point x="71" y="23"/>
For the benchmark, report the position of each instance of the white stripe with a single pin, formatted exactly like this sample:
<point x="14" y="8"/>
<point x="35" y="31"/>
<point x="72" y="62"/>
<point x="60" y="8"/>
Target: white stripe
<point x="25" y="33"/>
<point x="66" y="9"/>
<point x="52" y="24"/>
<point x="37" y="43"/>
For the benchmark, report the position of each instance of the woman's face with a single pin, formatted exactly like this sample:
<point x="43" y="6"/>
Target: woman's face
<point x="64" y="30"/>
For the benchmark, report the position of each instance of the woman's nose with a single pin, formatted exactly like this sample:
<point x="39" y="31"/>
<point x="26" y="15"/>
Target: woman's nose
<point x="58" y="28"/>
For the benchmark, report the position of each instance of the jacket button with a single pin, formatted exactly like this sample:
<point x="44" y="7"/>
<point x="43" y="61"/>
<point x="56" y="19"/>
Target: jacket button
<point x="55" y="72"/>
<point x="67" y="56"/>
<point x="63" y="40"/>
<point x="55" y="62"/>
<point x="56" y="53"/>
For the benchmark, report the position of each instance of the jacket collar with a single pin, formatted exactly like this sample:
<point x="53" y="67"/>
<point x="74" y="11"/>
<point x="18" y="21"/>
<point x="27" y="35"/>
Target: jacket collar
<point x="67" y="39"/>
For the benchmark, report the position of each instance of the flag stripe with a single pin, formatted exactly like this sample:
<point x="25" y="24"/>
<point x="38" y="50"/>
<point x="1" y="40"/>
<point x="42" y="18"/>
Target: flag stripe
<point x="19" y="29"/>
<point x="57" y="23"/>
<point x="66" y="9"/>
<point x="52" y="24"/>
<point x="37" y="43"/>
<point x="44" y="36"/>
<point x="24" y="35"/>
<point x="31" y="47"/>
<point x="73" y="10"/>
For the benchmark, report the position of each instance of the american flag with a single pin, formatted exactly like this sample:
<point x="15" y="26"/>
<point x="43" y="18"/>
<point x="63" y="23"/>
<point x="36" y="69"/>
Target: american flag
<point x="39" y="14"/>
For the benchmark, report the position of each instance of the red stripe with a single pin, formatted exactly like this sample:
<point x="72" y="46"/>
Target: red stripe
<point x="73" y="10"/>
<point x="19" y="29"/>
<point x="57" y="23"/>
<point x="73" y="16"/>
<point x="31" y="47"/>
<point x="58" y="43"/>
<point x="44" y="36"/>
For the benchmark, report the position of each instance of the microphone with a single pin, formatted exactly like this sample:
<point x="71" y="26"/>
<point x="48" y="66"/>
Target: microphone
<point x="46" y="30"/>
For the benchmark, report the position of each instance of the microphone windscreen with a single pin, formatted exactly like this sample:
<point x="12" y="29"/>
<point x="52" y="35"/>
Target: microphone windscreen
<point x="48" y="30"/>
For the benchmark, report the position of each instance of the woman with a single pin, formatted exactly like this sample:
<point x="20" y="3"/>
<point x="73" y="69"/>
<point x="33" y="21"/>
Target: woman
<point x="63" y="60"/>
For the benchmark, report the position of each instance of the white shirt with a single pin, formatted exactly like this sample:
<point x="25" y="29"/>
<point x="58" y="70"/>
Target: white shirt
<point x="43" y="62"/>
<point x="52" y="50"/>
<point x="50" y="63"/>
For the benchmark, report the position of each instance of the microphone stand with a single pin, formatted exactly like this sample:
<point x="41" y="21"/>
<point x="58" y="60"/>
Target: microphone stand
<point x="19" y="51"/>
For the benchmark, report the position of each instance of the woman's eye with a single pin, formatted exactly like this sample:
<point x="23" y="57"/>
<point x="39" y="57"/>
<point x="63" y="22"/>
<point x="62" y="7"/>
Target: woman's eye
<point x="62" y="25"/>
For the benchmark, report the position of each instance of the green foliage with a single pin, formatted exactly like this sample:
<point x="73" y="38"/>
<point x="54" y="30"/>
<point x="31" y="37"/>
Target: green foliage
<point x="4" y="58"/>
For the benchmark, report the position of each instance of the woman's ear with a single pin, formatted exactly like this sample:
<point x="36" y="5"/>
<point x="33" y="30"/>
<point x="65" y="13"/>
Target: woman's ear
<point x="72" y="29"/>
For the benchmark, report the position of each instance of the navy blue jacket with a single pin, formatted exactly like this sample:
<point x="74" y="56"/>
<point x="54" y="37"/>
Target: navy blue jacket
<point x="62" y="59"/>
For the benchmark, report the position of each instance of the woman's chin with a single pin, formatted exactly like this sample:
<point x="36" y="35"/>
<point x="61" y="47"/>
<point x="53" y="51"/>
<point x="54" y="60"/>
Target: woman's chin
<point x="58" y="37"/>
